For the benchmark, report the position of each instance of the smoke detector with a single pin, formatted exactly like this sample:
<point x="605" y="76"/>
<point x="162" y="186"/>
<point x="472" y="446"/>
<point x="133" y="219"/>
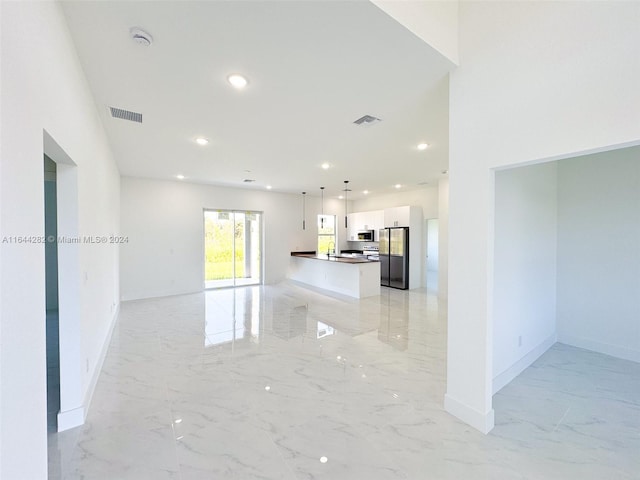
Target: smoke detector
<point x="140" y="36"/>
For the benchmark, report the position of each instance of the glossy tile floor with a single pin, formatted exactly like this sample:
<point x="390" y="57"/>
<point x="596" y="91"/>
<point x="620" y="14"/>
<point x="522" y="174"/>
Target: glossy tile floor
<point x="280" y="382"/>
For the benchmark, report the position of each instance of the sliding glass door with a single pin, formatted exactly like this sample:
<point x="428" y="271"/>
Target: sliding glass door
<point x="232" y="253"/>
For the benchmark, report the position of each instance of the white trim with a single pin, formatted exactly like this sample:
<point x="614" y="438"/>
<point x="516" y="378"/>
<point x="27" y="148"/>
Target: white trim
<point x="77" y="416"/>
<point x="617" y="351"/>
<point x="160" y="294"/>
<point x="100" y="362"/>
<point x="504" y="378"/>
<point x="71" y="418"/>
<point x="480" y="421"/>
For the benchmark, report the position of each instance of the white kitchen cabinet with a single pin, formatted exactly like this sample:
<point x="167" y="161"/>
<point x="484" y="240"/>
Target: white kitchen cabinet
<point x="353" y="219"/>
<point x="366" y="221"/>
<point x="378" y="223"/>
<point x="397" y="217"/>
<point x="360" y="221"/>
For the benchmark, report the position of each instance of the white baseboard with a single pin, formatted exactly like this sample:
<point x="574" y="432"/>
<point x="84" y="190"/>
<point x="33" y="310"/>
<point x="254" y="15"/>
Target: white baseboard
<point x="77" y="416"/>
<point x="478" y="420"/>
<point x="71" y="418"/>
<point x="504" y="378"/>
<point x="100" y="362"/>
<point x="159" y="294"/>
<point x="617" y="351"/>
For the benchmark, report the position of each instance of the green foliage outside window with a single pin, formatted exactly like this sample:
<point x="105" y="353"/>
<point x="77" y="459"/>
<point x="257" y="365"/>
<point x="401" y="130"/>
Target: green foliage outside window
<point x="326" y="234"/>
<point x="219" y="251"/>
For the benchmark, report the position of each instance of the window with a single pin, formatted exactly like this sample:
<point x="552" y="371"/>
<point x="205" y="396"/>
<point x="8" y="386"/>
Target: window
<point x="326" y="233"/>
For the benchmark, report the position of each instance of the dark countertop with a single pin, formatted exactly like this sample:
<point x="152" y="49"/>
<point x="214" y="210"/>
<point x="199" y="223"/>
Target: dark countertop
<point x="333" y="258"/>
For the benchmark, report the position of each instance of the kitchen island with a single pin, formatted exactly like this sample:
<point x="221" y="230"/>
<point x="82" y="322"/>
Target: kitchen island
<point x="348" y="275"/>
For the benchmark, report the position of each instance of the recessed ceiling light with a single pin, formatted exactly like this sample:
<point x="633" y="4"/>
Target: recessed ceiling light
<point x="180" y="177"/>
<point x="341" y="197"/>
<point x="397" y="185"/>
<point x="423" y="146"/>
<point x="325" y="165"/>
<point x="237" y="81"/>
<point x="366" y="192"/>
<point x="269" y="187"/>
<point x="201" y="141"/>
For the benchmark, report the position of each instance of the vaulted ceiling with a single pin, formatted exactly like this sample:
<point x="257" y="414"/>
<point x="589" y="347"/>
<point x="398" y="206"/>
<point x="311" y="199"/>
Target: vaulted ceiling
<point x="313" y="68"/>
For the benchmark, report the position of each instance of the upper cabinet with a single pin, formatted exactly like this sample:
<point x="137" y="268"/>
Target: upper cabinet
<point x="397" y="217"/>
<point x="360" y="221"/>
<point x="378" y="222"/>
<point x="353" y="219"/>
<point x="375" y="220"/>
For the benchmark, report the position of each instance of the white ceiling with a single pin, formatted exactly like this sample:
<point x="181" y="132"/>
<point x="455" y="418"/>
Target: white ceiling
<point x="313" y="68"/>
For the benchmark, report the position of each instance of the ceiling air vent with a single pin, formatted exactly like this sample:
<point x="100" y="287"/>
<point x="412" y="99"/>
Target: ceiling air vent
<point x="367" y="120"/>
<point x="248" y="180"/>
<point x="125" y="114"/>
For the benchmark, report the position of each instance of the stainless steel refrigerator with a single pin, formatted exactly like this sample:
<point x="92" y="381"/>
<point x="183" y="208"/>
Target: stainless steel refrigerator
<point x="394" y="257"/>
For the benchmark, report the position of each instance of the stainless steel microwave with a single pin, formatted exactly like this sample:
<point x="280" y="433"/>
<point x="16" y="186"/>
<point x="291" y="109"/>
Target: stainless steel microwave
<point x="366" y="236"/>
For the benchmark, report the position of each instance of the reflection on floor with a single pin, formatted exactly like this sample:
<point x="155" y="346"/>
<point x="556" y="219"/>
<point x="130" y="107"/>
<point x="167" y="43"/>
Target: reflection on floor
<point x="279" y="382"/>
<point x="230" y="282"/>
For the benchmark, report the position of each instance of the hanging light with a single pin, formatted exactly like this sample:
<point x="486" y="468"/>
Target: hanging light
<point x="346" y="189"/>
<point x="304" y="216"/>
<point x="322" y="207"/>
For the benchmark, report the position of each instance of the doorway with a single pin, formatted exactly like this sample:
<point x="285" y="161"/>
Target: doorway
<point x="232" y="248"/>
<point x="62" y="265"/>
<point x="51" y="293"/>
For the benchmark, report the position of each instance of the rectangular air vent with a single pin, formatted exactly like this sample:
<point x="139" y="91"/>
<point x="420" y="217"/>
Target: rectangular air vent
<point x="367" y="120"/>
<point x="125" y="114"/>
<point x="248" y="180"/>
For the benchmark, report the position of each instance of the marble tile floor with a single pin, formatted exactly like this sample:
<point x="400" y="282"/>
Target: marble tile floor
<point x="281" y="382"/>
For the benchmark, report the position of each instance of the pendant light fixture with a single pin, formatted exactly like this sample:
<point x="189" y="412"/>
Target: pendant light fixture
<point x="304" y="215"/>
<point x="321" y="207"/>
<point x="346" y="189"/>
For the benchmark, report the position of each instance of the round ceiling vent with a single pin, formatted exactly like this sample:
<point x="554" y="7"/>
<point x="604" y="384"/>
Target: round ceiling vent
<point x="140" y="36"/>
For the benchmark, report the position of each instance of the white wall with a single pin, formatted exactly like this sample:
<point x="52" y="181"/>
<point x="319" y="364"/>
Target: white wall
<point x="525" y="251"/>
<point x="537" y="80"/>
<point x="432" y="244"/>
<point x="443" y="240"/>
<point x="43" y="88"/>
<point x="164" y="223"/>
<point x="599" y="252"/>
<point x="435" y="22"/>
<point x="1" y="236"/>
